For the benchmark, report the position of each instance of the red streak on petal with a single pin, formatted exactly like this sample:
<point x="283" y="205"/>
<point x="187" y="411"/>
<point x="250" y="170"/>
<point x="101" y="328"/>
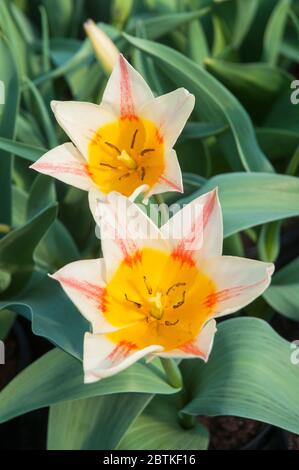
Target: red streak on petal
<point x="87" y="289"/>
<point x="126" y="98"/>
<point x="170" y="183"/>
<point x="121" y="351"/>
<point x="71" y="168"/>
<point x="208" y="208"/>
<point x="191" y="348"/>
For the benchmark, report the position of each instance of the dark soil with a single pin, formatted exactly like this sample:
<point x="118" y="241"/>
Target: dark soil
<point x="293" y="441"/>
<point x="230" y="432"/>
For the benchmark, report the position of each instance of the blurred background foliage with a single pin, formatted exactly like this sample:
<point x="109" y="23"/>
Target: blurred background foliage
<point x="239" y="58"/>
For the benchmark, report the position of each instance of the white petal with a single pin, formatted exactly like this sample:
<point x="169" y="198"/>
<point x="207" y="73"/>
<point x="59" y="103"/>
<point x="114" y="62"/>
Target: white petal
<point x="171" y="180"/>
<point x="170" y="112"/>
<point x="126" y="90"/>
<point x="103" y="358"/>
<point x="84" y="283"/>
<point x="125" y="229"/>
<point x="200" y="347"/>
<point x="66" y="164"/>
<point x="239" y="281"/>
<point x="81" y="120"/>
<point x="197" y="229"/>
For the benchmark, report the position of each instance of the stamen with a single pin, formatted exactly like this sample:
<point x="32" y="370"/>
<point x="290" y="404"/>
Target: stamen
<point x="109" y="166"/>
<point x="181" y="302"/>
<point x="144" y="151"/>
<point x="137" y="304"/>
<point x="174" y="286"/>
<point x="149" y="289"/>
<point x="142" y="173"/>
<point x="113" y="146"/>
<point x="133" y="139"/>
<point x="169" y="323"/>
<point x="124" y="176"/>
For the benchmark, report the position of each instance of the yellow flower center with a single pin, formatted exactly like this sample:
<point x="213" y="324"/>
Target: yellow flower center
<point x="158" y="298"/>
<point x="124" y="154"/>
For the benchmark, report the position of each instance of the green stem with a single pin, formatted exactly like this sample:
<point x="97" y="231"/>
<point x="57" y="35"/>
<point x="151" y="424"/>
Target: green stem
<point x="163" y="209"/>
<point x="173" y="372"/>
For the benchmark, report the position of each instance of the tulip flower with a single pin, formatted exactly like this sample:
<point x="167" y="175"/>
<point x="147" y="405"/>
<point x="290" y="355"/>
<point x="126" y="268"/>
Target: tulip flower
<point x="105" y="50"/>
<point x="123" y="143"/>
<point x="157" y="292"/>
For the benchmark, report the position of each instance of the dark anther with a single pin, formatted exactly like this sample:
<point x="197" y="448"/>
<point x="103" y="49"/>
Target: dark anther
<point x="124" y="176"/>
<point x="149" y="289"/>
<point x="171" y="323"/>
<point x="133" y="139"/>
<point x="174" y="286"/>
<point x="144" y="151"/>
<point x="181" y="302"/>
<point x="109" y="166"/>
<point x="137" y="304"/>
<point x="142" y="173"/>
<point x="113" y="146"/>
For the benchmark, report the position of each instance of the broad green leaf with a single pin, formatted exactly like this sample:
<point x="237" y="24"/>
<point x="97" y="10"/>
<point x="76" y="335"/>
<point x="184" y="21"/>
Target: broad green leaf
<point x="42" y="194"/>
<point x="51" y="313"/>
<point x="93" y="423"/>
<point x="269" y="242"/>
<point x="255" y="85"/>
<point x="216" y="102"/>
<point x="197" y="42"/>
<point x="7" y="318"/>
<point x="250" y="199"/>
<point x="120" y="12"/>
<point x="158" y="428"/>
<point x="199" y="130"/>
<point x="160" y="25"/>
<point x="277" y="143"/>
<point x="284" y="114"/>
<point x="12" y="32"/>
<point x="26" y="151"/>
<point x="58" y="377"/>
<point x="283" y="293"/>
<point x="19" y="204"/>
<point x="17" y="248"/>
<point x="60" y="14"/>
<point x="56" y="249"/>
<point x="274" y="31"/>
<point x="244" y="20"/>
<point x="249" y="374"/>
<point x="8" y="112"/>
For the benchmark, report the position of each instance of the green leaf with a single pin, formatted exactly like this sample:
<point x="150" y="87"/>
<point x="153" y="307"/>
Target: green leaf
<point x="8" y="112"/>
<point x="245" y="16"/>
<point x="7" y="318"/>
<point x="42" y="194"/>
<point x="17" y="248"/>
<point x="26" y="151"/>
<point x="255" y="85"/>
<point x="277" y="196"/>
<point x="249" y="374"/>
<point x="93" y="423"/>
<point x="52" y="314"/>
<point x="274" y="31"/>
<point x="277" y="143"/>
<point x="283" y="293"/>
<point x="197" y="43"/>
<point x="217" y="103"/>
<point x="269" y="242"/>
<point x="58" y="377"/>
<point x="160" y="25"/>
<point x="158" y="428"/>
<point x="199" y="130"/>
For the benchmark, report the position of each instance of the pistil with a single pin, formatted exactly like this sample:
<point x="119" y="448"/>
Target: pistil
<point x="127" y="160"/>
